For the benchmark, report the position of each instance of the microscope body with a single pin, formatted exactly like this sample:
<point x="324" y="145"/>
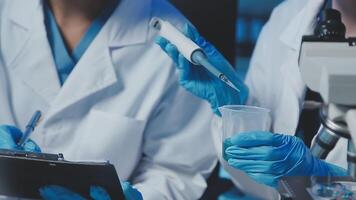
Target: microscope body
<point x="327" y="62"/>
<point x="329" y="68"/>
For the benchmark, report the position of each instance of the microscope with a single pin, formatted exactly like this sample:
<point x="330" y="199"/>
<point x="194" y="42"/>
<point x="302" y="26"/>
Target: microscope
<point x="328" y="66"/>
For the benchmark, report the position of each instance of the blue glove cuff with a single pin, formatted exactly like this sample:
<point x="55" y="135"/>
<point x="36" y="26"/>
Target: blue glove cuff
<point x="335" y="170"/>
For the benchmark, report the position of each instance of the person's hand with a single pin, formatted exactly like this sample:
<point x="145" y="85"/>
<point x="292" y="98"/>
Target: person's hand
<point x="96" y="193"/>
<point x="130" y="192"/>
<point x="266" y="157"/>
<point x="10" y="136"/>
<point x="55" y="192"/>
<point x="199" y="81"/>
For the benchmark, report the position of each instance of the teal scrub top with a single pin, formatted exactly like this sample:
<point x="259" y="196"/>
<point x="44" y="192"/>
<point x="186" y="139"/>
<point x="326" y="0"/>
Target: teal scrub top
<point x="65" y="61"/>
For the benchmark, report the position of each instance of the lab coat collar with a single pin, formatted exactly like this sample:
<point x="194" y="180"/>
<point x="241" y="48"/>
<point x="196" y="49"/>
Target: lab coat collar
<point x="34" y="67"/>
<point x="302" y="24"/>
<point x="129" y="24"/>
<point x="95" y="71"/>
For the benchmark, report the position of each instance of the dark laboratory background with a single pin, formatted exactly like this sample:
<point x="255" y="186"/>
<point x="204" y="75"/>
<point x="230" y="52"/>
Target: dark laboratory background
<point x="233" y="27"/>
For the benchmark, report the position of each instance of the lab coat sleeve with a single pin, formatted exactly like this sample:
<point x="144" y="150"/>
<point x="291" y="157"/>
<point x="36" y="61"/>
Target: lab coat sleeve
<point x="178" y="149"/>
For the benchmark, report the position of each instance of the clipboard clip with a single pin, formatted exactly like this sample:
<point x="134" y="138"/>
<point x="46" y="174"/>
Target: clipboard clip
<point x="31" y="155"/>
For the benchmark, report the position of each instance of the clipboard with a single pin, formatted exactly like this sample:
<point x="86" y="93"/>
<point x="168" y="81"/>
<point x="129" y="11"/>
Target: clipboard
<point x="22" y="174"/>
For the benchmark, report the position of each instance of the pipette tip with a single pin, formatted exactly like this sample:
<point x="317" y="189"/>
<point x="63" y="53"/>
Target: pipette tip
<point x="228" y="82"/>
<point x="233" y="86"/>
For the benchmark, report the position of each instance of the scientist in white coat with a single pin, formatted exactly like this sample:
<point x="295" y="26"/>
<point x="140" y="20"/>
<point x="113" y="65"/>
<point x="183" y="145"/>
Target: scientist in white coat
<point x="274" y="82"/>
<point x="110" y="94"/>
<point x="274" y="78"/>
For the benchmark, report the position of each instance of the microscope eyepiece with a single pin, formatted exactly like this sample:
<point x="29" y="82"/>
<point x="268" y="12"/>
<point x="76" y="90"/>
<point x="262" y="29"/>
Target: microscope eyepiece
<point x="330" y="26"/>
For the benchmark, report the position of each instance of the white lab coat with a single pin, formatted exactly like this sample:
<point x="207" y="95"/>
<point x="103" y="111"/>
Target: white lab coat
<point x="274" y="78"/>
<point x="121" y="103"/>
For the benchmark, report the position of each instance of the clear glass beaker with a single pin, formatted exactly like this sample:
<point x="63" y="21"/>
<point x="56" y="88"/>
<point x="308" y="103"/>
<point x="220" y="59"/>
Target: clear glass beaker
<point x="239" y="118"/>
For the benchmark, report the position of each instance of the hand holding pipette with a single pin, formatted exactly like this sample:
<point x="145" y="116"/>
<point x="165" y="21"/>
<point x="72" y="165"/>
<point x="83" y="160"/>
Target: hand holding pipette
<point x="216" y="81"/>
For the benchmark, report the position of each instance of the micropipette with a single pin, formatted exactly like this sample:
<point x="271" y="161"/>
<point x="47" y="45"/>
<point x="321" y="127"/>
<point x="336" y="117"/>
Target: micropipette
<point x="191" y="51"/>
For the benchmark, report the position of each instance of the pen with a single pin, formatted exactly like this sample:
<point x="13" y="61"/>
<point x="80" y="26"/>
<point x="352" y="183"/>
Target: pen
<point x="30" y="127"/>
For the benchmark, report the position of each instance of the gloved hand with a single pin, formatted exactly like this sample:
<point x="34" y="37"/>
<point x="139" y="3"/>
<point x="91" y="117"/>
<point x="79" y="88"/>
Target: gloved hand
<point x="130" y="192"/>
<point x="199" y="81"/>
<point x="10" y="136"/>
<point x="96" y="193"/>
<point x="266" y="157"/>
<point x="233" y="194"/>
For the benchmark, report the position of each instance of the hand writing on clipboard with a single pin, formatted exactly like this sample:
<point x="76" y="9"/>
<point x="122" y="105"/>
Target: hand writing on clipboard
<point x="12" y="138"/>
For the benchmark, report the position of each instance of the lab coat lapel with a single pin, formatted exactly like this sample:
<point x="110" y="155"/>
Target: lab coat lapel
<point x="130" y="23"/>
<point x="28" y="53"/>
<point x="96" y="70"/>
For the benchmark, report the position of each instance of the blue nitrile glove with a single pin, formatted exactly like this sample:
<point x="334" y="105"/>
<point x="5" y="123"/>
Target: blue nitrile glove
<point x="199" y="81"/>
<point x="130" y="192"/>
<point x="266" y="157"/>
<point x="233" y="194"/>
<point x="96" y="193"/>
<point x="10" y="136"/>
